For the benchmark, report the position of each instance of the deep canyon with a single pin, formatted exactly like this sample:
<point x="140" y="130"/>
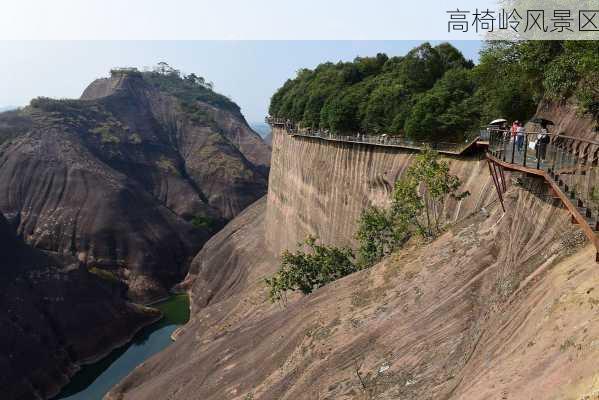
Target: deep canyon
<point x="114" y="200"/>
<point x="104" y="202"/>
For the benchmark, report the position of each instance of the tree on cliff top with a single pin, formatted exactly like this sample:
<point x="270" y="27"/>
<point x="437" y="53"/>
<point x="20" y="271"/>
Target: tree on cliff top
<point x="435" y="94"/>
<point x="372" y="94"/>
<point x="447" y="110"/>
<point x="187" y="88"/>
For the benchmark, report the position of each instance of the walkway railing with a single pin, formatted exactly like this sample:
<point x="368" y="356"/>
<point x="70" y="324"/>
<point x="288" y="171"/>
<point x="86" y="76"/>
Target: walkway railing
<point x="571" y="162"/>
<point x="570" y="165"/>
<point x="453" y="148"/>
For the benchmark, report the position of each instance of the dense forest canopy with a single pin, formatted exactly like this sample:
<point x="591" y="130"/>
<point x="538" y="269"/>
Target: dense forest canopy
<point x="434" y="93"/>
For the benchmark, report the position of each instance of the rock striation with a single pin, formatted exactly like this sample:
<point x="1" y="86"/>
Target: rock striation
<point x="56" y="315"/>
<point x="104" y="201"/>
<point x="499" y="306"/>
<point x="132" y="178"/>
<point x="320" y="189"/>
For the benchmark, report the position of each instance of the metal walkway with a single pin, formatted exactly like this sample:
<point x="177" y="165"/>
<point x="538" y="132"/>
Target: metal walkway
<point x="453" y="149"/>
<point x="568" y="164"/>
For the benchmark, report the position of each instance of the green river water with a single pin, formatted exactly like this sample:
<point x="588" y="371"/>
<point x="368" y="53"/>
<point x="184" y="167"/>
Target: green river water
<point x="93" y="381"/>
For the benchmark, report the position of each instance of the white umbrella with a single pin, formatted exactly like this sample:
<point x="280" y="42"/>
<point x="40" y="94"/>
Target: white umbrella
<point x="498" y="121"/>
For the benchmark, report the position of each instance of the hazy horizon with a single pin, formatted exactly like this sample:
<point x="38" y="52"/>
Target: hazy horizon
<point x="249" y="72"/>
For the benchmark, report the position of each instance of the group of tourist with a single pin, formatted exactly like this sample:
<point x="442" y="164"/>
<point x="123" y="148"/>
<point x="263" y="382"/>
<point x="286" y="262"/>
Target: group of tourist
<point x="516" y="134"/>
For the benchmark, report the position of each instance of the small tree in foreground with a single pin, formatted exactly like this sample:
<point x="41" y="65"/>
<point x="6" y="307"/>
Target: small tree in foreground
<point x="309" y="270"/>
<point x="431" y="183"/>
<point x="415" y="208"/>
<point x="378" y="235"/>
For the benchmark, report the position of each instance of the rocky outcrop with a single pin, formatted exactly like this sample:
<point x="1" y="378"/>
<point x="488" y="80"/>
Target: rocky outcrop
<point x="502" y="305"/>
<point x="226" y="278"/>
<point x="568" y="120"/>
<point x="55" y="316"/>
<point x="320" y="188"/>
<point x="130" y="179"/>
<point x="107" y="200"/>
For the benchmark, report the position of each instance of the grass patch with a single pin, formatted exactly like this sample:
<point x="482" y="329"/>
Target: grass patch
<point x="568" y="343"/>
<point x="175" y="309"/>
<point x="167" y="165"/>
<point x="187" y="92"/>
<point x="135" y="138"/>
<point x="202" y="222"/>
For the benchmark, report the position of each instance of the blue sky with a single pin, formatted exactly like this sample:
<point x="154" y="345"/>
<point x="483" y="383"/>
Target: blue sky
<point x="247" y="71"/>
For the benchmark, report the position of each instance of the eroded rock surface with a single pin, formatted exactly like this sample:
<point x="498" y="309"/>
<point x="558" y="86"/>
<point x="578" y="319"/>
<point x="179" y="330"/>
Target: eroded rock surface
<point x="473" y="315"/>
<point x="502" y="305"/>
<point x="321" y="188"/>
<point x="130" y="178"/>
<point x="55" y="315"/>
<point x="107" y="200"/>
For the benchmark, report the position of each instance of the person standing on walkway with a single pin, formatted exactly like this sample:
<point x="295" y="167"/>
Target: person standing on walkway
<point x="520" y="136"/>
<point x="542" y="141"/>
<point x="505" y="131"/>
<point x="514" y="129"/>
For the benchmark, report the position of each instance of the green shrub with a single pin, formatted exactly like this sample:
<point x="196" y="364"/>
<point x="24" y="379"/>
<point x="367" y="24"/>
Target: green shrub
<point x="378" y="235"/>
<point x="57" y="105"/>
<point x="419" y="199"/>
<point x="187" y="89"/>
<point x="202" y="222"/>
<point x="308" y="270"/>
<point x="167" y="165"/>
<point x="135" y="138"/>
<point x="415" y="208"/>
<point x="107" y="134"/>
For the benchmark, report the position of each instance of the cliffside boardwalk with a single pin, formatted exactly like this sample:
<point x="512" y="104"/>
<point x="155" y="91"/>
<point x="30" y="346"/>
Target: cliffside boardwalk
<point x="569" y="165"/>
<point x="376" y="140"/>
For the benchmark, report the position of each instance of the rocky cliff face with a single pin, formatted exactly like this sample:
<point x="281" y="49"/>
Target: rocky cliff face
<point x="226" y="278"/>
<point x="107" y="199"/>
<point x="131" y="178"/>
<point x="502" y="305"/>
<point x="55" y="316"/>
<point x="320" y="188"/>
<point x="568" y="120"/>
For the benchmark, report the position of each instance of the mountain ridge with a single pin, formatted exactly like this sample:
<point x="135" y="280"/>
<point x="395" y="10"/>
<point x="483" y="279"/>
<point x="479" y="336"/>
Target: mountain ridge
<point x="104" y="202"/>
<point x="134" y="144"/>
